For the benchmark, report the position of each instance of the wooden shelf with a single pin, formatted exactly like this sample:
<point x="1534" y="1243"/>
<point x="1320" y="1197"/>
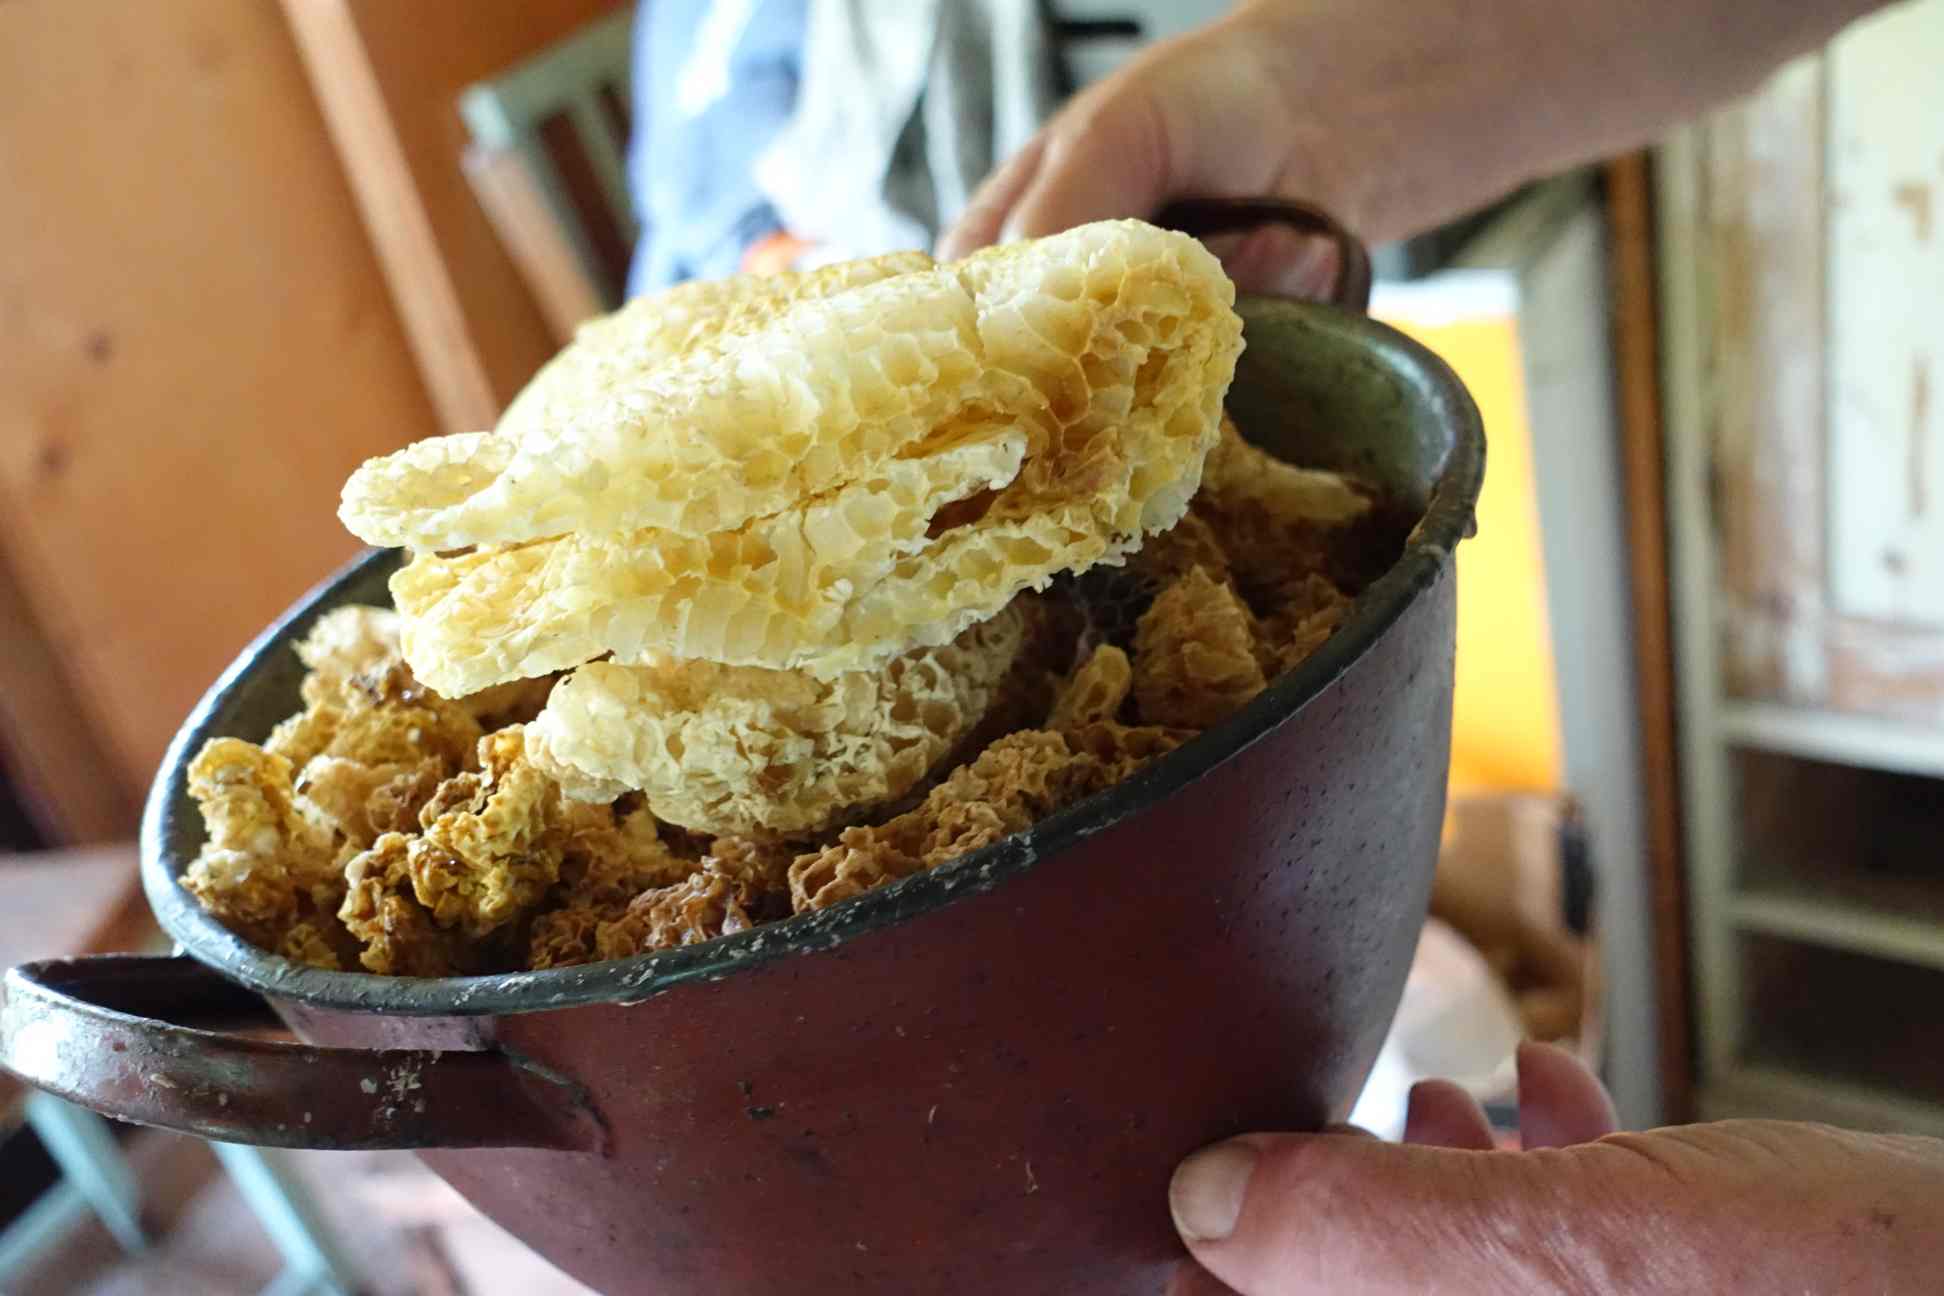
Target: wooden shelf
<point x="1836" y="737"/>
<point x="1805" y="568"/>
<point x="1841" y="1017"/>
<point x="1895" y="919"/>
<point x="1785" y="1093"/>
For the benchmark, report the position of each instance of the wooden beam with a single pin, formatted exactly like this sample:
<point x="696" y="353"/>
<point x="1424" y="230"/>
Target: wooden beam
<point x="389" y="77"/>
<point x="408" y="247"/>
<point x="535" y="238"/>
<point x="1636" y="341"/>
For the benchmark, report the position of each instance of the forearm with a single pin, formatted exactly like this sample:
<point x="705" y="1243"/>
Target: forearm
<point x="1415" y="111"/>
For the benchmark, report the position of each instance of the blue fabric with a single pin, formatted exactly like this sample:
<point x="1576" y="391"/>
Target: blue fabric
<point x="691" y="172"/>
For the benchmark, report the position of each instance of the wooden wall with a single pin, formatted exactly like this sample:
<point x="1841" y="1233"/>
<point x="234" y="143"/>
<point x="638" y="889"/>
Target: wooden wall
<point x="1884" y="172"/>
<point x="1823" y="203"/>
<point x="196" y="346"/>
<point x="1802" y="279"/>
<point x="389" y="76"/>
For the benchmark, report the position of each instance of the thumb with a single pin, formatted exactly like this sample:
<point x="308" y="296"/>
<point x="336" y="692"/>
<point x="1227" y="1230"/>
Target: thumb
<point x="1106" y="155"/>
<point x="1738" y="1206"/>
<point x="1291" y="1215"/>
<point x="1202" y="113"/>
<point x="1102" y="156"/>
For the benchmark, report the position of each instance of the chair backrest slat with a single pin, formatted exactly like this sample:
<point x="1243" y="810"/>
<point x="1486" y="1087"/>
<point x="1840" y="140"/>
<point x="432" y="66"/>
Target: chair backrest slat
<point x="606" y="150"/>
<point x="571" y="84"/>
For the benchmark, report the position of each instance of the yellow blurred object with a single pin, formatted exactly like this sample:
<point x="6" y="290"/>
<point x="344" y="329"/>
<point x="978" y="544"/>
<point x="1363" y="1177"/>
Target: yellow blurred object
<point x="1505" y="722"/>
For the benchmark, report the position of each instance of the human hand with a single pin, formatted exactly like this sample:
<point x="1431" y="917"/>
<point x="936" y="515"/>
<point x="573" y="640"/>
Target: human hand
<point x="1392" y="118"/>
<point x="1186" y="117"/>
<point x="1756" y="1206"/>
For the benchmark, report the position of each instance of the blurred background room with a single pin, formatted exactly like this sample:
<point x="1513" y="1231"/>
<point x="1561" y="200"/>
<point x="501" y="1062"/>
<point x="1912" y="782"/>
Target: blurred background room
<point x="1697" y="816"/>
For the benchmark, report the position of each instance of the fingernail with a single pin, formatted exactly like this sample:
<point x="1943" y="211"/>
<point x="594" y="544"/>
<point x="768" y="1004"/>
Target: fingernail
<point x="1208" y="1190"/>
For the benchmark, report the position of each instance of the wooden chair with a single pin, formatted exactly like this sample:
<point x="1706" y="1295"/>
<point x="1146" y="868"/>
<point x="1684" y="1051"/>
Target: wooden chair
<point x="548" y="161"/>
<point x="70" y="903"/>
<point x="390" y="78"/>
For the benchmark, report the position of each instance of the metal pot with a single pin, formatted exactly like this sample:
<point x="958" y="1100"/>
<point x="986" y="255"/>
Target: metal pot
<point x="978" y="1079"/>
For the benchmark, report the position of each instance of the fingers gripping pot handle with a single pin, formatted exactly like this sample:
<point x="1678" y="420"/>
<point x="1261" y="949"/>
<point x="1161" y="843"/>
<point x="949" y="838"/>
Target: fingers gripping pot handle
<point x="1207" y="217"/>
<point x="94" y="1031"/>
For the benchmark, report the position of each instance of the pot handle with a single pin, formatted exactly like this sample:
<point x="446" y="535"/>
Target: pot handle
<point x="91" y="1030"/>
<point x="1203" y="217"/>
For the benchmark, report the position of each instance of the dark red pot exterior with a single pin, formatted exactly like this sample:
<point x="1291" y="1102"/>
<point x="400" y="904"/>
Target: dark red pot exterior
<point x="978" y="1080"/>
<point x="990" y="1097"/>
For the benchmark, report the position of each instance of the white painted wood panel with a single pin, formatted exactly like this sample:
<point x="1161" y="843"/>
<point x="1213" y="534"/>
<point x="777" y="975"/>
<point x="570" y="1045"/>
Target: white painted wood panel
<point x="1691" y="399"/>
<point x="1864" y="741"/>
<point x="1886" y="302"/>
<point x="1764" y="230"/>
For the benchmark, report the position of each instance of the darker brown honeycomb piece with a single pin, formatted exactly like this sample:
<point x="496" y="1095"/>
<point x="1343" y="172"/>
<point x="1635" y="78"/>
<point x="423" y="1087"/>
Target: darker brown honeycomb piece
<point x="1195" y="654"/>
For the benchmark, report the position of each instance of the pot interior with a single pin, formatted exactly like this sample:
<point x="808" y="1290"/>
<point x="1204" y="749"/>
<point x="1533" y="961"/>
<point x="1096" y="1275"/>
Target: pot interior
<point x="1316" y="386"/>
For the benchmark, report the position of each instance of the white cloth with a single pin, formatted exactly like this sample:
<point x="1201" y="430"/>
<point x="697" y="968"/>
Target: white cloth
<point x="1456" y="1022"/>
<point x="903" y="107"/>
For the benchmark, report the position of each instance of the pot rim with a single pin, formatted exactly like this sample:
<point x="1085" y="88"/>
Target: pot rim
<point x="1448" y="518"/>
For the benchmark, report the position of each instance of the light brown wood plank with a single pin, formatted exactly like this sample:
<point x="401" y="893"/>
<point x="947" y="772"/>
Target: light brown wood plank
<point x="534" y="237"/>
<point x="422" y="283"/>
<point x="389" y="76"/>
<point x="63" y="904"/>
<point x="196" y="345"/>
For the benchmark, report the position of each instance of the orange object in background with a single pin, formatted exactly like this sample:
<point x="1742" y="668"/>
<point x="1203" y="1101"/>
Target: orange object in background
<point x="1504" y="879"/>
<point x="1505" y="716"/>
<point x="774" y="253"/>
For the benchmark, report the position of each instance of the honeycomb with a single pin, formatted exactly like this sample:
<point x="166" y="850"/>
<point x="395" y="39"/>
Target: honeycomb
<point x="742" y="750"/>
<point x="826" y="485"/>
<point x="267" y="867"/>
<point x="1016" y="781"/>
<point x="1196" y="654"/>
<point x="467" y="489"/>
<point x="769" y="592"/>
<point x="1280" y="524"/>
<point x="745" y="598"/>
<point x="1096" y="691"/>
